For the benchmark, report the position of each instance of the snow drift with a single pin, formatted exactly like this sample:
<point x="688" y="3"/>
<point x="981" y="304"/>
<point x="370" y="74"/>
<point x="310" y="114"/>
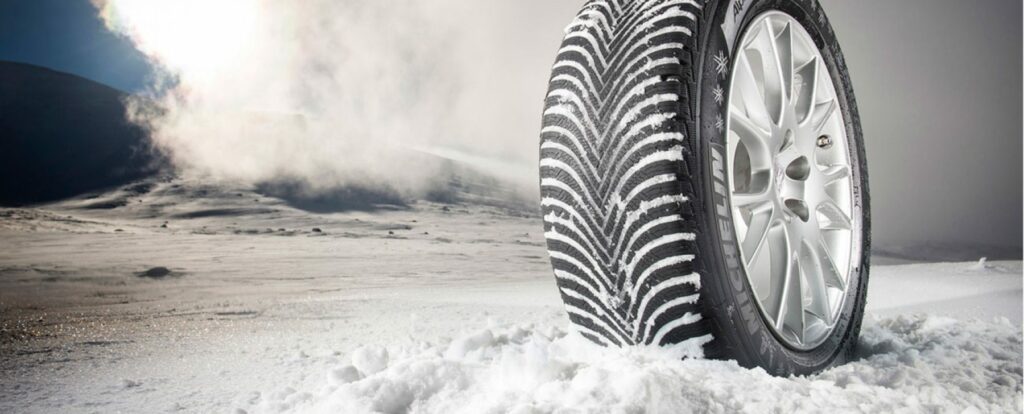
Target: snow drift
<point x="908" y="364"/>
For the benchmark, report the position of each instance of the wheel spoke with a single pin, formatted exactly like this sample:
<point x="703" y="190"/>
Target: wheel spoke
<point x="774" y="299"/>
<point x="805" y="87"/>
<point x="817" y="288"/>
<point x="791" y="316"/>
<point x="753" y="137"/>
<point x="822" y="113"/>
<point x="829" y="271"/>
<point x="787" y="154"/>
<point x="751" y="95"/>
<point x="783" y="48"/>
<point x="749" y="200"/>
<point x="763" y="57"/>
<point x="836" y="218"/>
<point x="836" y="173"/>
<point x="748" y="128"/>
<point x="761" y="221"/>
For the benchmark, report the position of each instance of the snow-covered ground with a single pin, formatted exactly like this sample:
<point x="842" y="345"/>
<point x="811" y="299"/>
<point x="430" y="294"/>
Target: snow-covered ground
<point x="266" y="308"/>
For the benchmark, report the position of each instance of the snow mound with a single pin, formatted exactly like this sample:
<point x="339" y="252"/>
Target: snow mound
<point x="910" y="364"/>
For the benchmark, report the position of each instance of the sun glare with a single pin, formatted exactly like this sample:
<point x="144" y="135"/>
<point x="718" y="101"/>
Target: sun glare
<point x="191" y="37"/>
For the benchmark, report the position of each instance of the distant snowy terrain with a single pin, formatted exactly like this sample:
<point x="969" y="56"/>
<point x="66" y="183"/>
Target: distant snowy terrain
<point x="174" y="297"/>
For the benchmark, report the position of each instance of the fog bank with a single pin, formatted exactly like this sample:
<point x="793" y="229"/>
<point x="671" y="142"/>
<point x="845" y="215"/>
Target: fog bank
<point x="338" y="93"/>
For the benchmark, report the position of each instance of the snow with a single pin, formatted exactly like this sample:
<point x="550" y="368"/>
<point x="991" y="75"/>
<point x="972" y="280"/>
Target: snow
<point x="456" y="311"/>
<point x="369" y="360"/>
<point x="907" y="364"/>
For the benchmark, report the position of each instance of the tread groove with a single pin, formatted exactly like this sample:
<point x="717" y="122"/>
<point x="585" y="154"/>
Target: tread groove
<point x="614" y="174"/>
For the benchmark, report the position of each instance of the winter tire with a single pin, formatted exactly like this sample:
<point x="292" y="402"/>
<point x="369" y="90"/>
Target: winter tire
<point x="704" y="183"/>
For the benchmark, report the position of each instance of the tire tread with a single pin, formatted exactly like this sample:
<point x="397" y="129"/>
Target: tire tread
<point x="615" y="187"/>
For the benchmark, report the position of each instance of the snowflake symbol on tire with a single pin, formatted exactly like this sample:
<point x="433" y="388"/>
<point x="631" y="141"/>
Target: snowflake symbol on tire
<point x="719" y="94"/>
<point x="719" y="123"/>
<point x="722" y="64"/>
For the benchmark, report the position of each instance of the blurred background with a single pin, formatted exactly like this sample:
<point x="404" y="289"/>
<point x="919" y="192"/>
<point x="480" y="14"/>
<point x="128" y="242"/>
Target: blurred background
<point x="939" y="88"/>
<point x="333" y="94"/>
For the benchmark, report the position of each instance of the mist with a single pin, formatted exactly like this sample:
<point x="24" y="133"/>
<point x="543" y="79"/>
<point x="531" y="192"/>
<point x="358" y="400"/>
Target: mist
<point x="345" y="93"/>
<point x="374" y="93"/>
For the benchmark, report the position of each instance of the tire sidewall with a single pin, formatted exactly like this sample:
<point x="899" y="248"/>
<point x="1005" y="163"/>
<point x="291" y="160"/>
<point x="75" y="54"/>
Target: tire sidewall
<point x="740" y="330"/>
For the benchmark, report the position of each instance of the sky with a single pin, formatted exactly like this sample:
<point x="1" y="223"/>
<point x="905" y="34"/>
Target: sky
<point x="68" y="36"/>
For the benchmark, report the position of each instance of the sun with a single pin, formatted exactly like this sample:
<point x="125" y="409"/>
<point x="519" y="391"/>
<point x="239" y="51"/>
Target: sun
<point x="190" y="37"/>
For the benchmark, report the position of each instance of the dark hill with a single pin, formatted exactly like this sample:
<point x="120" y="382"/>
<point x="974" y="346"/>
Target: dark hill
<point x="62" y="135"/>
